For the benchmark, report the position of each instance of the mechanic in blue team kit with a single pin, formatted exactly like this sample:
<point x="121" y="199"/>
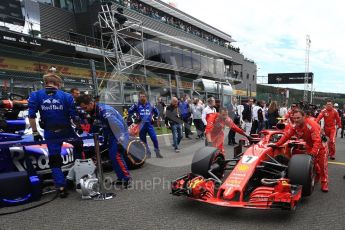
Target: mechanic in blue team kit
<point x="57" y="110"/>
<point x="146" y="113"/>
<point x="115" y="130"/>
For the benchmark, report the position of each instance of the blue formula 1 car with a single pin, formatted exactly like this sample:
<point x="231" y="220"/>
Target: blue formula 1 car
<point x="18" y="131"/>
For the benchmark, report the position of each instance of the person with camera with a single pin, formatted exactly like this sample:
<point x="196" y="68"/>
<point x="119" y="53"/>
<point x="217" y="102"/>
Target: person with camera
<point x="307" y="129"/>
<point x="173" y="120"/>
<point x="115" y="131"/>
<point x="57" y="110"/>
<point x="147" y="114"/>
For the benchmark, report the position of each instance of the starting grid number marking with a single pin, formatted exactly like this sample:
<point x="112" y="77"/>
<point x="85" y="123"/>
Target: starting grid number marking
<point x="248" y="159"/>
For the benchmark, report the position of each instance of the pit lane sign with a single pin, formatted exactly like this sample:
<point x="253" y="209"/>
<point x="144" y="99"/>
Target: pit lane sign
<point x="289" y="78"/>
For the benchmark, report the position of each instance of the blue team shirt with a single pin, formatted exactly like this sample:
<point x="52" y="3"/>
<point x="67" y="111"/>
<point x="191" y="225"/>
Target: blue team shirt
<point x="145" y="112"/>
<point x="112" y="121"/>
<point x="184" y="109"/>
<point x="56" y="107"/>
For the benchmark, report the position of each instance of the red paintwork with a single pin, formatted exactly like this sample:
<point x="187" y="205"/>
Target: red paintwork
<point x="231" y="191"/>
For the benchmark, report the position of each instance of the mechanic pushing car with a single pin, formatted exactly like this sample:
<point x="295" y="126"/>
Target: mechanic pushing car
<point x="331" y="124"/>
<point x="115" y="130"/>
<point x="146" y="113"/>
<point x="310" y="131"/>
<point x="215" y="128"/>
<point x="56" y="109"/>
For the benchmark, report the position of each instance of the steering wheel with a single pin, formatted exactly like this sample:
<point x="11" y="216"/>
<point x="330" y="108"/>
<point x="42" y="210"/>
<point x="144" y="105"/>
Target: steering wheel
<point x="275" y="138"/>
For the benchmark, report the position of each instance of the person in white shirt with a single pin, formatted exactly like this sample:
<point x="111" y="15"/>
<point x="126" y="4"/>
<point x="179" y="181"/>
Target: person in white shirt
<point x="283" y="110"/>
<point x="247" y="116"/>
<point x="257" y="118"/>
<point x="197" y="108"/>
<point x="211" y="102"/>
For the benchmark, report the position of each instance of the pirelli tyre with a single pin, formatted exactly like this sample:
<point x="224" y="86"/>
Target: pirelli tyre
<point x="136" y="153"/>
<point x="203" y="159"/>
<point x="134" y="156"/>
<point x="301" y="172"/>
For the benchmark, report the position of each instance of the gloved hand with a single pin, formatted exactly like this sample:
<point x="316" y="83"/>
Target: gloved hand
<point x="37" y="136"/>
<point x="324" y="138"/>
<point x="3" y="124"/>
<point x="272" y="145"/>
<point x="122" y="138"/>
<point x="250" y="139"/>
<point x="312" y="155"/>
<point x="79" y="129"/>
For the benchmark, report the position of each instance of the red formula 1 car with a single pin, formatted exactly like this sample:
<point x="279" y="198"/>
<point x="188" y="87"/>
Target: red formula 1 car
<point x="262" y="177"/>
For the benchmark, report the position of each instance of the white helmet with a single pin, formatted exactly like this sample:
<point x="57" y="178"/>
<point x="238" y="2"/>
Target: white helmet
<point x="336" y="105"/>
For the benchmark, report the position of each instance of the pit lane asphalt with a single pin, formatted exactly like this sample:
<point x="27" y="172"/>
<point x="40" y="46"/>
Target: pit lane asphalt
<point x="148" y="206"/>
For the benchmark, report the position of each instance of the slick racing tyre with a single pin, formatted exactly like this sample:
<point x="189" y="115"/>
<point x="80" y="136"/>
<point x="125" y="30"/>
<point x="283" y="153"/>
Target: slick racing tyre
<point x="204" y="158"/>
<point x="136" y="153"/>
<point x="301" y="172"/>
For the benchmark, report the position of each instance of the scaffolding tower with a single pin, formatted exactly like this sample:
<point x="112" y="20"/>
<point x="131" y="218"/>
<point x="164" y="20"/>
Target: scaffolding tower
<point x="122" y="41"/>
<point x="306" y="74"/>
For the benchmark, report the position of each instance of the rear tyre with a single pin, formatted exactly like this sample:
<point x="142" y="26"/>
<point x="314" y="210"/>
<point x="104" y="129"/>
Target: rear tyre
<point x="204" y="158"/>
<point x="301" y="172"/>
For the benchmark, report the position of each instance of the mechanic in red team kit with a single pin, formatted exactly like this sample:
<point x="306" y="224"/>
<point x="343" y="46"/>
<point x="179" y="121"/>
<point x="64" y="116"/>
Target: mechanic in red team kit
<point x="331" y="121"/>
<point x="215" y="128"/>
<point x="310" y="131"/>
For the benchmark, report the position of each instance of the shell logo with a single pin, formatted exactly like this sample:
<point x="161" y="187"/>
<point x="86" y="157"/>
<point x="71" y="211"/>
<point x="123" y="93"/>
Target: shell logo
<point x="243" y="168"/>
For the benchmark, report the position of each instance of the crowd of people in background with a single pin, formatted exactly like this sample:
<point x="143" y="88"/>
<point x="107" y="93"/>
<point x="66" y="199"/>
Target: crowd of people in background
<point x="175" y="22"/>
<point x="57" y="110"/>
<point x="251" y="115"/>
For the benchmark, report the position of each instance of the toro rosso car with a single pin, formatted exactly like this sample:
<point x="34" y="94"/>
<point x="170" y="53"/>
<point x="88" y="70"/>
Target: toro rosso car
<point x="261" y="177"/>
<point x="18" y="131"/>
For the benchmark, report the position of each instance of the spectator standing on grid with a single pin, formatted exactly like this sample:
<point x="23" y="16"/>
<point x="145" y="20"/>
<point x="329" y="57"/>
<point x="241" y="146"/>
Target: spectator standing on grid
<point x="161" y="106"/>
<point x="197" y="109"/>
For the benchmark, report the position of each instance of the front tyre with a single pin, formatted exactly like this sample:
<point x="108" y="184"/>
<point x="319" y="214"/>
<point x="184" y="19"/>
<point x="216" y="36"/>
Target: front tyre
<point x="204" y="158"/>
<point x="301" y="172"/>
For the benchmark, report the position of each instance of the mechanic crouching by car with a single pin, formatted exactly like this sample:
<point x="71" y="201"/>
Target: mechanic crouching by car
<point x="146" y="113"/>
<point x="310" y="131"/>
<point x="56" y="109"/>
<point x="115" y="130"/>
<point x="215" y="128"/>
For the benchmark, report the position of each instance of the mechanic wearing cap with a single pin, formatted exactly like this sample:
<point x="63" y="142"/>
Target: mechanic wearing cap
<point x="310" y="131"/>
<point x="146" y="113"/>
<point x="115" y="130"/>
<point x="331" y="121"/>
<point x="215" y="128"/>
<point x="56" y="109"/>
